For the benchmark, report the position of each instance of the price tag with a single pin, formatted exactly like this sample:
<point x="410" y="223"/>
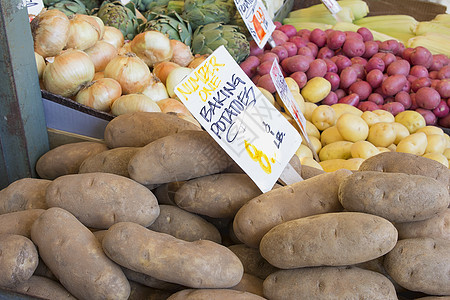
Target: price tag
<point x="332" y="6"/>
<point x="239" y="118"/>
<point x="257" y="20"/>
<point x="34" y="7"/>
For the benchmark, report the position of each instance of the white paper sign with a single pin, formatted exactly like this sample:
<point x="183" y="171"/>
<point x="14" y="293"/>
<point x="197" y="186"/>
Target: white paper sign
<point x="288" y="99"/>
<point x="240" y="119"/>
<point x="34" y="7"/>
<point x="257" y="20"/>
<point x="332" y="6"/>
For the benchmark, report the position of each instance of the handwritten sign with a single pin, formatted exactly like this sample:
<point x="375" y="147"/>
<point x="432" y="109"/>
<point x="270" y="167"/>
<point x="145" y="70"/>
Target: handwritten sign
<point x="34" y="7"/>
<point x="257" y="20"/>
<point x="332" y="6"/>
<point x="239" y="117"/>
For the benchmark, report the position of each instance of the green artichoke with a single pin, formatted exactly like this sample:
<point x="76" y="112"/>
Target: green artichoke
<point x="92" y="4"/>
<point x="123" y="17"/>
<point x="70" y="7"/>
<point x="170" y="8"/>
<point x="144" y="5"/>
<point x="208" y="38"/>
<point x="239" y="22"/>
<point x="175" y="27"/>
<point x="202" y="12"/>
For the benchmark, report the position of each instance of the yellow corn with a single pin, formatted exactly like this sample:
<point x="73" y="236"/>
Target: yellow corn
<point x="384" y="18"/>
<point x="359" y="9"/>
<point x="436" y="43"/>
<point x="442" y="18"/>
<point x="309" y="25"/>
<point x="435" y="27"/>
<point x="345" y="15"/>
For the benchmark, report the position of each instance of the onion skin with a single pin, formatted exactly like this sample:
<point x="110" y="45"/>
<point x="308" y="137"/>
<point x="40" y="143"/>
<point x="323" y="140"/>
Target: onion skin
<point x="69" y="72"/>
<point x="113" y="36"/>
<point x="198" y="59"/>
<point x="84" y="32"/>
<point x="182" y="54"/>
<point x="156" y="90"/>
<point x="101" y="54"/>
<point x="152" y="47"/>
<point x="50" y="31"/>
<point x="170" y="105"/>
<point x="163" y="69"/>
<point x="133" y="103"/>
<point x="40" y="64"/>
<point x="100" y="94"/>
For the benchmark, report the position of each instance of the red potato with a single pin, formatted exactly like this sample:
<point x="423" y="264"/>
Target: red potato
<point x="376" y="98"/>
<point x="280" y="51"/>
<point x="291" y="48"/>
<point x="401" y="48"/>
<point x="325" y="52"/>
<point x="341" y="62"/>
<point x="352" y="99"/>
<point x="336" y="39"/>
<point x="264" y="68"/>
<point x="393" y="84"/>
<point x="434" y="83"/>
<point x="411" y="78"/>
<point x="331" y="66"/>
<point x="296" y="63"/>
<point x="433" y="74"/>
<point x="318" y="37"/>
<point x="317" y="68"/>
<point x="389" y="100"/>
<point x="280" y="36"/>
<point x="430" y="118"/>
<point x="374" y="78"/>
<point x="388" y="58"/>
<point x="418" y="71"/>
<point x="298" y="41"/>
<point x="313" y="47"/>
<point x="375" y="63"/>
<point x="340" y="93"/>
<point x="365" y="33"/>
<point x="406" y="54"/>
<point x="360" y="71"/>
<point x="404" y="99"/>
<point x="371" y="47"/>
<point x="362" y="88"/>
<point x="414" y="105"/>
<point x="331" y="99"/>
<point x="439" y="61"/>
<point x="254" y="49"/>
<point x="427" y="98"/>
<point x="334" y="79"/>
<point x="277" y="24"/>
<point x="265" y="81"/>
<point x="353" y="47"/>
<point x="420" y="83"/>
<point x="304" y="33"/>
<point x="269" y="56"/>
<point x="348" y="77"/>
<point x="306" y="51"/>
<point x="300" y="78"/>
<point x="399" y="67"/>
<point x="441" y="110"/>
<point x="407" y="86"/>
<point x="249" y="65"/>
<point x="393" y="107"/>
<point x="289" y="30"/>
<point x="421" y="56"/>
<point x="367" y="106"/>
<point x="353" y="35"/>
<point x="359" y="60"/>
<point x="443" y="88"/>
<point x="391" y="46"/>
<point x="444" y="72"/>
<point x="445" y="121"/>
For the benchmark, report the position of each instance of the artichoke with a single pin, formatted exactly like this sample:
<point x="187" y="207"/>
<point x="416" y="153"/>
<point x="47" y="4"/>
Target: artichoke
<point x="239" y="22"/>
<point x="92" y="4"/>
<point x="175" y="27"/>
<point x="70" y="7"/>
<point x="208" y="38"/>
<point x="202" y="12"/>
<point x="170" y="8"/>
<point x="123" y="17"/>
<point x="144" y="5"/>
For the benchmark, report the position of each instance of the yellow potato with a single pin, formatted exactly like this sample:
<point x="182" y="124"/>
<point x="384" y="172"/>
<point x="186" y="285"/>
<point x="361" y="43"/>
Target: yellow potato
<point x="411" y="119"/>
<point x="315" y="142"/>
<point x="415" y="143"/>
<point x="298" y="99"/>
<point x="400" y="132"/>
<point x="316" y="89"/>
<point x="447" y="137"/>
<point x="309" y="161"/>
<point x="312" y="130"/>
<point x="384" y="149"/>
<point x="309" y="108"/>
<point x="430" y="129"/>
<point x="437" y="157"/>
<point x="384" y="115"/>
<point x="436" y="143"/>
<point x="392" y="147"/>
<point x="353" y="163"/>
<point x="332" y="165"/>
<point x="447" y="153"/>
<point x="303" y="151"/>
<point x="323" y="117"/>
<point x="292" y="85"/>
<point x="382" y="134"/>
<point x="352" y="127"/>
<point x="342" y="108"/>
<point x="330" y="135"/>
<point x="370" y="117"/>
<point x="340" y="149"/>
<point x="268" y="95"/>
<point x="363" y="149"/>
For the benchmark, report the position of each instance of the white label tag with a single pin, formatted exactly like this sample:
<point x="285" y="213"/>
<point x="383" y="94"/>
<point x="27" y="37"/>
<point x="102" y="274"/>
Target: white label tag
<point x="257" y="20"/>
<point x="34" y="7"/>
<point x="239" y="118"/>
<point x="332" y="6"/>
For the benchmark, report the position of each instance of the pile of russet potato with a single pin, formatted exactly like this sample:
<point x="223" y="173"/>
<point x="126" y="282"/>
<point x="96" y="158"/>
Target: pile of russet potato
<point x="160" y="211"/>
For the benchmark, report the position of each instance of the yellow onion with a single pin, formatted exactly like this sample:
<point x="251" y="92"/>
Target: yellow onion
<point x="84" y="32"/>
<point x="163" y="69"/>
<point x="100" y="94"/>
<point x="101" y="24"/>
<point x="68" y="73"/>
<point x="155" y="90"/>
<point x="198" y="59"/>
<point x="172" y="105"/>
<point x="50" y="30"/>
<point x="130" y="71"/>
<point x="40" y="64"/>
<point x="125" y="48"/>
<point x="101" y="54"/>
<point x="174" y="78"/>
<point x="98" y="75"/>
<point x="182" y="54"/>
<point x="152" y="47"/>
<point x="113" y="36"/>
<point x="133" y="103"/>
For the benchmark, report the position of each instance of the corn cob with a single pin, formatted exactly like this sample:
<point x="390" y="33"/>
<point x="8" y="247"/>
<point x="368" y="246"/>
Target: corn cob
<point x="436" y="43"/>
<point x="359" y="9"/>
<point x="345" y="15"/>
<point x="310" y="25"/>
<point x="442" y="18"/>
<point x="384" y="19"/>
<point x="435" y="27"/>
<point x="387" y="26"/>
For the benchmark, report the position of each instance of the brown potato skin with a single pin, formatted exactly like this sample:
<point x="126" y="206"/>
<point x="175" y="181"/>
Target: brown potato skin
<point x="142" y="292"/>
<point x="22" y="194"/>
<point x="150" y="281"/>
<point x="74" y="255"/>
<point x="42" y="287"/>
<point x="312" y="196"/>
<point x="99" y="200"/>
<point x="66" y="159"/>
<point x="253" y="262"/>
<point x="398" y="197"/>
<point x="328" y="283"/>
<point x="113" y="161"/>
<point x="18" y="259"/>
<point x="184" y="225"/>
<point x="213" y="294"/>
<point x="250" y="283"/>
<point x="212" y="196"/>
<point x="331" y="239"/>
<point x="421" y="265"/>
<point x="19" y="222"/>
<point x="434" y="227"/>
<point x="198" y="264"/>
<point x="141" y="128"/>
<point x="398" y="162"/>
<point x="177" y="157"/>
<point x="308" y="172"/>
